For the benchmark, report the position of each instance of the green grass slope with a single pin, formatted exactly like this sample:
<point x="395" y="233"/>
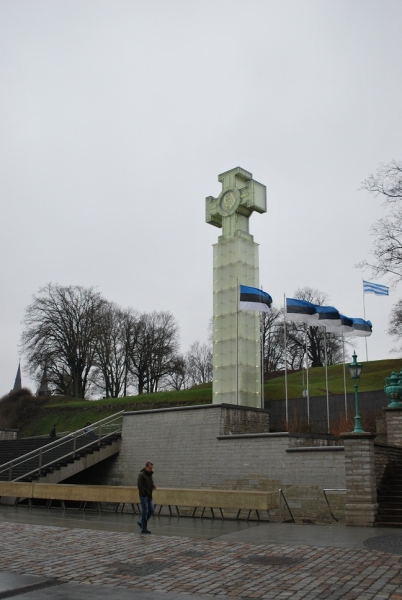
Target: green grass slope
<point x="71" y="414"/>
<point x="372" y="378"/>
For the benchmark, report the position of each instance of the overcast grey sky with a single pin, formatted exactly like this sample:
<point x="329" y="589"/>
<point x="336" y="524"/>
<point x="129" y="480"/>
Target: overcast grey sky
<point x="117" y="116"/>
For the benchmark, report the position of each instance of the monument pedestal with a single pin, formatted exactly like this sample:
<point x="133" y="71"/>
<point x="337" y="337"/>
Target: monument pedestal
<point x="236" y="334"/>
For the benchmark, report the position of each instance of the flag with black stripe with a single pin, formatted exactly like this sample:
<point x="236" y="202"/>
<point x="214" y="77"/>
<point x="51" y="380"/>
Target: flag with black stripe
<point x="254" y="299"/>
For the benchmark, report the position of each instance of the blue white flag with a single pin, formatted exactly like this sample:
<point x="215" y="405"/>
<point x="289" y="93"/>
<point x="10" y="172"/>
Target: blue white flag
<point x="375" y="288"/>
<point x="254" y="299"/>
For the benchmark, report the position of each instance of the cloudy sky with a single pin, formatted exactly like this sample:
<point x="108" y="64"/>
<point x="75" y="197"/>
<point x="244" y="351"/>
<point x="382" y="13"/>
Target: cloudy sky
<point x="116" y="117"/>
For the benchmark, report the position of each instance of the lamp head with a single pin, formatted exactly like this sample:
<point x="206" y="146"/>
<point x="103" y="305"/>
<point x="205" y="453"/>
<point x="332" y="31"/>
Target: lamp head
<point x="355" y="368"/>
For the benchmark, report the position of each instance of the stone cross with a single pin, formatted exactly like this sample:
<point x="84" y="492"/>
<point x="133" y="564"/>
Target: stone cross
<point x="240" y="196"/>
<point x="236" y="338"/>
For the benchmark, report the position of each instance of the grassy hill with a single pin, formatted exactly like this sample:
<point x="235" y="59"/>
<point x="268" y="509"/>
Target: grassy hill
<point x="372" y="378"/>
<point x="71" y="413"/>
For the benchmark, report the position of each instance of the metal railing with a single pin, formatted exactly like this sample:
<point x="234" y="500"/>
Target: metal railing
<point x="327" y="501"/>
<point x="282" y="495"/>
<point x="101" y="430"/>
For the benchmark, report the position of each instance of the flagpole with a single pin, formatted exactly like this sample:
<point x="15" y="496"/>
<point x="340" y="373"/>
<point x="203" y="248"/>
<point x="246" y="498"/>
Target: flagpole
<point x="344" y="378"/>
<point x="262" y="355"/>
<point x="308" y="391"/>
<point x="262" y="362"/>
<point x="237" y="342"/>
<point x="364" y="313"/>
<point x="286" y="363"/>
<point x="326" y="374"/>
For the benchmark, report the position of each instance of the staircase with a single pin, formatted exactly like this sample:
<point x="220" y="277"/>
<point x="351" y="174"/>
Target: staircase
<point x="37" y="459"/>
<point x="389" y="497"/>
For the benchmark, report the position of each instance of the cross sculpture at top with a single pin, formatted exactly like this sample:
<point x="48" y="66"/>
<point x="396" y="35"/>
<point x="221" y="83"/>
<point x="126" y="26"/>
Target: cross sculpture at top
<point x="240" y="196"/>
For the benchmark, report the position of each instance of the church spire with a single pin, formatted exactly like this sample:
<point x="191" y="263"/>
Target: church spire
<point x="17" y="382"/>
<point x="44" y="384"/>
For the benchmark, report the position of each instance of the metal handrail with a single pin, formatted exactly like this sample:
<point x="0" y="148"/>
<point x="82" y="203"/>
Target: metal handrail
<point x="326" y="498"/>
<point x="286" y="502"/>
<point x="59" y="442"/>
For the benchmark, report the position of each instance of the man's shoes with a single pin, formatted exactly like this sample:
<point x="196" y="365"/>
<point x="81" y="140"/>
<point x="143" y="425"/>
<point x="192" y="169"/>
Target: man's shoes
<point x="145" y="531"/>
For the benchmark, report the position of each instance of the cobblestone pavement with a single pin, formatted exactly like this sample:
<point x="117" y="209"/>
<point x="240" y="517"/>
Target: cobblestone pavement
<point x="210" y="568"/>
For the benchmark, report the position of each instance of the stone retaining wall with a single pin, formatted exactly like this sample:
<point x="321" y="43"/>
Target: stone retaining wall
<point x="195" y="447"/>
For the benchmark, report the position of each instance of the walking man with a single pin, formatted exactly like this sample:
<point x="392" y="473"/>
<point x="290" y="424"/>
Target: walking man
<point x="145" y="488"/>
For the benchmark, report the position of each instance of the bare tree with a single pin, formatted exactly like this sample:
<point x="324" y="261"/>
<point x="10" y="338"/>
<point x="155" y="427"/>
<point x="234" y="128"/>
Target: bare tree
<point x="273" y="340"/>
<point x="178" y="378"/>
<point x="387" y="251"/>
<point x="199" y="363"/>
<point x="62" y="327"/>
<point x="111" y="360"/>
<point x="153" y="349"/>
<point x="395" y="325"/>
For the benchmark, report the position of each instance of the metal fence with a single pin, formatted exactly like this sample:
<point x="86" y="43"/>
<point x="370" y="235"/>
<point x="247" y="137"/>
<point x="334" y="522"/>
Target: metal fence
<point x="371" y="404"/>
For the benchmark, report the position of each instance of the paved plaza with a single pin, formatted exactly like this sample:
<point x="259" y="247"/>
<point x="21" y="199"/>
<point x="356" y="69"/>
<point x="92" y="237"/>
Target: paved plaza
<point x="48" y="554"/>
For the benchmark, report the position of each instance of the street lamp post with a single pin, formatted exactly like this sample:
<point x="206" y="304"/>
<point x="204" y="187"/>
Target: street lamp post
<point x="355" y="369"/>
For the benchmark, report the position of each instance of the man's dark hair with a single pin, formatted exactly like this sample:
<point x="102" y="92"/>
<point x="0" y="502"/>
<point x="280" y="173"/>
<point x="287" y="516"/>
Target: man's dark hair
<point x="149" y="464"/>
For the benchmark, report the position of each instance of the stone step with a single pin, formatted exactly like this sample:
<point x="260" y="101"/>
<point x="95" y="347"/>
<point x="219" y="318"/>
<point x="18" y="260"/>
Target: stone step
<point x="389" y="518"/>
<point x="390" y="511"/>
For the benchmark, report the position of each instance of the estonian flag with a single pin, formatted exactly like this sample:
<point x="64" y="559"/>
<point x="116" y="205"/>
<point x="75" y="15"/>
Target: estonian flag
<point x="362" y="328"/>
<point x="301" y="311"/>
<point x="353" y="327"/>
<point x="375" y="288"/>
<point x="328" y="316"/>
<point x="345" y="326"/>
<point x="254" y="299"/>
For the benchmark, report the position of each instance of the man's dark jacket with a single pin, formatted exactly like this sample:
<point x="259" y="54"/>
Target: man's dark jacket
<point x="145" y="483"/>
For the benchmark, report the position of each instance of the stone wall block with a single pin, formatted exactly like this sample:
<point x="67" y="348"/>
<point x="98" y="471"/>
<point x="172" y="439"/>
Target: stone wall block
<point x="393" y="420"/>
<point x="360" y="474"/>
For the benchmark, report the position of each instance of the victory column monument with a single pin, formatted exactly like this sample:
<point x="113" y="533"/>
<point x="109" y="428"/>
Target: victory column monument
<point x="236" y="335"/>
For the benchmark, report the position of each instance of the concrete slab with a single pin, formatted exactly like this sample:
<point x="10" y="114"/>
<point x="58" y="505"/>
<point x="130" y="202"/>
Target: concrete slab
<point x="74" y="591"/>
<point x="125" y="523"/>
<point x="320" y="536"/>
<point x="255" y="532"/>
<point x="13" y="581"/>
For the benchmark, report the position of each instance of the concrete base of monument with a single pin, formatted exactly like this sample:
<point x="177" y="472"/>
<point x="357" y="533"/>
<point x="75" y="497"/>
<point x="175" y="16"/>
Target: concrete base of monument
<point x="227" y="447"/>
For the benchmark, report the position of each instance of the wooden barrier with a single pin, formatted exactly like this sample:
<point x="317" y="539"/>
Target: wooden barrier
<point x="192" y="498"/>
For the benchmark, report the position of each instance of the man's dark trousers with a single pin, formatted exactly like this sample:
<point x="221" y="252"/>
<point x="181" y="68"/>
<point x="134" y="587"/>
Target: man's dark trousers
<point x="147" y="507"/>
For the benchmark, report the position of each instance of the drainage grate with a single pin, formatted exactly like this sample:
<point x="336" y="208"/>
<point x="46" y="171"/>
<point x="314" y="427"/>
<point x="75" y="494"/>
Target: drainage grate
<point x="385" y="543"/>
<point x="143" y="569"/>
<point x="269" y="560"/>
